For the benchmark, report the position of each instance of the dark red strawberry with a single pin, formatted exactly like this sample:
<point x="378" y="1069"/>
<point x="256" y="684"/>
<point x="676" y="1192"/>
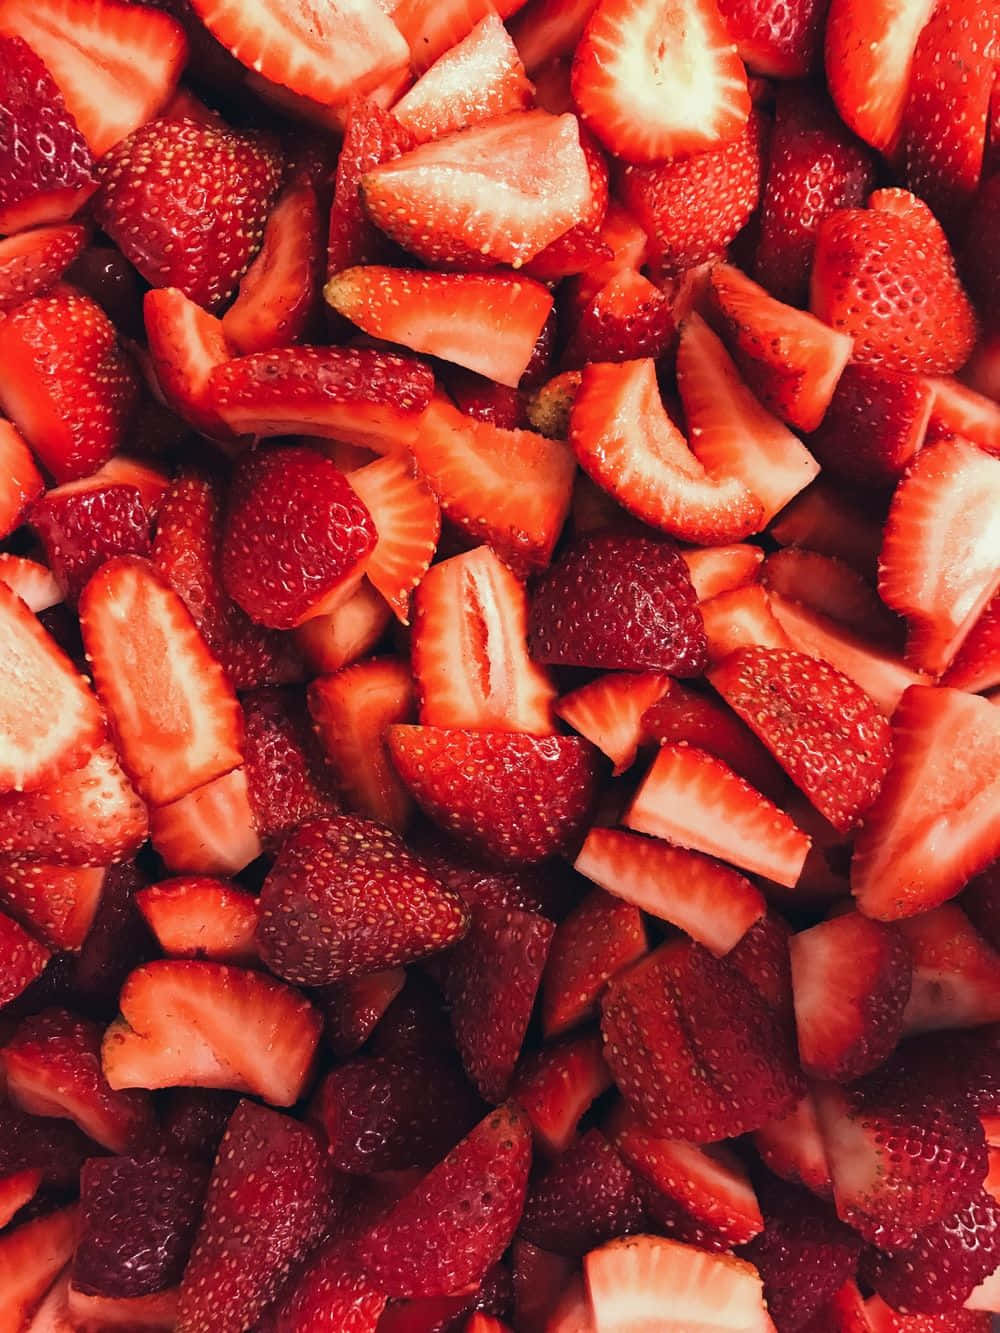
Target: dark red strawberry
<point x="586" y="1197"/>
<point x="353" y="1007"/>
<point x="557" y="1086"/>
<point x="199" y="917"/>
<point x="54" y="1150"/>
<point x="541" y="889"/>
<point x="599" y="938"/>
<point x="777" y="40"/>
<point x="329" y="1294"/>
<point x="415" y="1026"/>
<point x="981" y="902"/>
<point x="343" y="896"/>
<point x="22" y="480"/>
<point x="193" y="1121"/>
<point x="538" y="1279"/>
<point x="31" y="262"/>
<point x="628" y="318"/>
<point x="407" y="519"/>
<point x="82" y="526"/>
<point x="874" y="425"/>
<point x="762" y="957"/>
<point x="478" y="397"/>
<point x="371" y="136"/>
<point x="510" y="797"/>
<point x="981" y="255"/>
<point x="22" y="959"/>
<point x="187" y="204"/>
<point x="287" y="776"/>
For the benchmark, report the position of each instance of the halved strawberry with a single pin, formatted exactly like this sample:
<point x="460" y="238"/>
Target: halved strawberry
<point x="353" y="1008"/>
<point x="21" y="480"/>
<point x="959" y="410"/>
<point x="544" y="30"/>
<point x="81" y="527"/>
<point x="206" y="1025"/>
<point x="610" y="710"/>
<point x="556" y="1086"/>
<point x="741" y="619"/>
<point x="826" y="519"/>
<point x="34" y="261"/>
<point x="211" y="831"/>
<point x="732" y="434"/>
<point x="56" y="903"/>
<point x="22" y="959"/>
<point x="344" y="636"/>
<point x="17" y="1189"/>
<point x="938" y="565"/>
<point x="875" y="423"/>
<point x="494" y="193"/>
<point x="956" y="982"/>
<point x="31" y="1257"/>
<point x="599" y="938"/>
<point x="201" y="918"/>
<point x="625" y="441"/>
<point x="371" y="136"/>
<point x="792" y="1147"/>
<point x="976" y="665"/>
<point x="509" y="488"/>
<point x="115" y="64"/>
<point x="585" y="1197"/>
<point x="186" y="344"/>
<point x="287" y="775"/>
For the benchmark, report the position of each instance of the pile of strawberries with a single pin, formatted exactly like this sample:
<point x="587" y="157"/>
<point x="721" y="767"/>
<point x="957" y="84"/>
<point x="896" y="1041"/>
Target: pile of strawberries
<point x="499" y="666"/>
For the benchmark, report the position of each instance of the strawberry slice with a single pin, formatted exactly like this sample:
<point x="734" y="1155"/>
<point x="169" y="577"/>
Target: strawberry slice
<point x="353" y="1008"/>
<point x="458" y="1220"/>
<point x="175" y="716"/>
<point x="479" y="78"/>
<point x="792" y="1147"/>
<point x="544" y="30"/>
<point x="469" y="649"/>
<point x="732" y="433"/>
<point x="830" y="586"/>
<point x="330" y="642"/>
<point x="629" y="318"/>
<point x="371" y="136"/>
<point x="657" y="79"/>
<point x="539" y="1278"/>
<point x="31" y="1257"/>
<point x="211" y="831"/>
<point x="741" y="619"/>
<point x="22" y="959"/>
<point x="186" y="344"/>
<point x="599" y="938"/>
<point x="624" y="440"/>
<point x="31" y="581"/>
<point x="938" y="566"/>
<point x="695" y="801"/>
<point x="776" y="40"/>
<point x="56" y="903"/>
<point x="82" y="526"/>
<point x="712" y="903"/>
<point x="510" y="488"/>
<point x="287" y="776"/>
<point x="959" y="410"/>
<point x="556" y="1086"/>
<point x="493" y="194"/>
<point x="433" y="27"/>
<point x="22" y="482"/>
<point x="17" y="1189"/>
<point x="609" y="712"/>
<point x="954" y="972"/>
<point x="976" y="665"/>
<point x="65" y="382"/>
<point x="587" y="1196"/>
<point x="876" y="421"/>
<point x="201" y="918"/>
<point x="34" y="261"/>
<point x="327" y="1288"/>
<point x="407" y="521"/>
<point x="116" y="65"/>
<point x="826" y="519"/>
<point x="762" y="957"/>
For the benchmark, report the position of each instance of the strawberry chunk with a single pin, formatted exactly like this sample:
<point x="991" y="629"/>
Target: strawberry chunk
<point x="741" y="619"/>
<point x="340" y="639"/>
<point x="874" y="425"/>
<point x="792" y="1147"/>
<point x="34" y="261"/>
<point x="433" y="27"/>
<point x="981" y="268"/>
<point x="556" y="1086"/>
<point x="201" y="918"/>
<point x="976" y="665"/>
<point x="22" y="481"/>
<point x="547" y="29"/>
<point x="22" y="959"/>
<point x="55" y="903"/>
<point x="30" y="580"/>
<point x="777" y="40"/>
<point x="629" y="318"/>
<point x="599" y="938"/>
<point x="82" y="526"/>
<point x="954" y="972"/>
<point x="958" y="410"/>
<point x="211" y="831"/>
<point x="31" y="1257"/>
<point x="407" y="521"/>
<point x="371" y="136"/>
<point x="330" y="1289"/>
<point x="609" y="712"/>
<point x="353" y="1007"/>
<point x="186" y="344"/>
<point x="587" y="1196"/>
<point x="287" y="777"/>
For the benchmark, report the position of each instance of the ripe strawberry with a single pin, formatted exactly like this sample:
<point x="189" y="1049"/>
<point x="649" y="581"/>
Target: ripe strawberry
<point x="31" y="1257"/>
<point x="779" y="41"/>
<point x="81" y="527"/>
<point x="205" y="1025"/>
<point x="465" y="781"/>
<point x="762" y="957"/>
<point x="459" y="1219"/>
<point x="959" y="410"/>
<point x="792" y="1147"/>
<point x="22" y="959"/>
<point x="353" y="1008"/>
<point x="327" y="1292"/>
<point x="954" y="972"/>
<point x="34" y="261"/>
<point x="155" y="187"/>
<point x="629" y="318"/>
<point x="211" y="831"/>
<point x="55" y="903"/>
<point x="194" y="1120"/>
<point x="269" y="1196"/>
<point x="599" y="938"/>
<point x="22" y="481"/>
<point x="407" y="521"/>
<point x="886" y="277"/>
<point x="874" y="425"/>
<point x="371" y="136"/>
<point x="547" y="29"/>
<point x="587" y="1196"/>
<point x="976" y="665"/>
<point x="31" y="581"/>
<point x="981" y="262"/>
<point x="556" y="1086"/>
<point x="478" y="397"/>
<point x="65" y="382"/>
<point x="609" y="712"/>
<point x="741" y="619"/>
<point x="287" y="775"/>
<point x="199" y="917"/>
<point x="186" y="344"/>
<point x="342" y="638"/>
<point x="980" y="901"/>
<point x="538" y="1280"/>
<point x="826" y="519"/>
<point x="581" y="249"/>
<point x="443" y="203"/>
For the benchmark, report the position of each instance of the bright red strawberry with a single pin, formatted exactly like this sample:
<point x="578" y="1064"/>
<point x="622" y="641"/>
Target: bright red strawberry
<point x="81" y="527"/>
<point x="22" y="959"/>
<point x="609" y="712"/>
<point x="494" y="193"/>
<point x="353" y="1007"/>
<point x="815" y="166"/>
<point x="343" y="896"/>
<point x="186" y="344"/>
<point x="65" y="382"/>
<point x="587" y="1196"/>
<point x="269" y="1197"/>
<point x="692" y="208"/>
<point x="959" y="410"/>
<point x="599" y="938"/>
<point x="198" y="917"/>
<point x="851" y="981"/>
<point x="509" y="488"/>
<point x="511" y="797"/>
<point x="206" y="1025"/>
<point x="777" y="40"/>
<point x="954" y="972"/>
<point x="211" y="831"/>
<point x="762" y="957"/>
<point x="741" y="619"/>
<point x="407" y="521"/>
<point x="55" y="903"/>
<point x="792" y="1147"/>
<point x="622" y="603"/>
<point x="458" y="1220"/>
<point x="874" y="425"/>
<point x="976" y="665"/>
<point x="885" y="276"/>
<point x="287" y="775"/>
<point x="31" y="581"/>
<point x="371" y="136"/>
<point x="31" y="1258"/>
<point x="327" y="1292"/>
<point x="34" y="261"/>
<point x="22" y="481"/>
<point x="556" y="1086"/>
<point x="342" y="638"/>
<point x="490" y="982"/>
<point x="629" y="318"/>
<point x="165" y="230"/>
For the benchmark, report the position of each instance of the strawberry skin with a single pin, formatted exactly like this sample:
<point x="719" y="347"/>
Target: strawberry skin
<point x="599" y="938"/>
<point x="80" y="529"/>
<point x="587" y="1196"/>
<point x="874" y="425"/>
<point x="781" y="41"/>
<point x="371" y="136"/>
<point x="22" y="958"/>
<point x="287" y="776"/>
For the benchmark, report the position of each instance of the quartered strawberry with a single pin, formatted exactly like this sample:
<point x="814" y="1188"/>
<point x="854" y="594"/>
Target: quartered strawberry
<point x="599" y="938"/>
<point x="407" y="521"/>
<point x="327" y="1291"/>
<point x="976" y="665"/>
<point x="81" y="527"/>
<point x="556" y="1086"/>
<point x="342" y="638"/>
<point x="538" y="1280"/>
<point x="958" y="410"/>
<point x="545" y="30"/>
<point x="815" y="166"/>
<point x="458" y="1220"/>
<point x="33" y="261"/>
<point x="885" y="276"/>
<point x="792" y="1147"/>
<point x="287" y="776"/>
<point x="22" y="481"/>
<point x="874" y="425"/>
<point x="938" y="566"/>
<point x="827" y="519"/>
<point x="509" y="488"/>
<point x="155" y="188"/>
<point x="609" y="711"/>
<point x="476" y="396"/>
<point x="353" y="1007"/>
<point x="777" y="40"/>
<point x="954" y="972"/>
<point x="629" y="318"/>
<point x="493" y="194"/>
<point x="55" y="903"/>
<point x="186" y="343"/>
<point x="65" y="382"/>
<point x="371" y="136"/>
<point x="32" y="581"/>
<point x="741" y="619"/>
<point x="762" y="957"/>
<point x="199" y="917"/>
<point x="732" y="434"/>
<point x="31" y="1258"/>
<point x="851" y="981"/>
<point x="981" y="268"/>
<point x="268" y="1203"/>
<point x="587" y="1196"/>
<point x="206" y="1025"/>
<point x="22" y="959"/>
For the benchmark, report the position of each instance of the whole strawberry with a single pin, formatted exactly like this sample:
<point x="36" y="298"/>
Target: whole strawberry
<point x="187" y="204"/>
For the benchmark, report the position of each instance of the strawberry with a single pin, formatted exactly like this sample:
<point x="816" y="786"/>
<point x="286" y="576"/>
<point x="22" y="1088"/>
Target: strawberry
<point x="538" y="1279"/>
<point x="582" y="249"/>
<point x="599" y="938"/>
<point x="779" y="41"/>
<point x="762" y="957"/>
<point x="31" y="1257"/>
<point x="556" y="1086"/>
<point x="885" y="276"/>
<point x="407" y="522"/>
<point x="959" y="410"/>
<point x="609" y="712"/>
<point x="52" y="1065"/>
<point x="65" y="382"/>
<point x="353" y="1007"/>
<point x="545" y="30"/>
<point x="693" y="207"/>
<point x="186" y="343"/>
<point x="976" y="665"/>
<point x="618" y="602"/>
<point x="30" y="580"/>
<point x="696" y="801"/>
<point x="945" y="503"/>
<point x="741" y="619"/>
<point x="954" y="972"/>
<point x="22" y="481"/>
<point x="34" y="261"/>
<point x="464" y="781"/>
<point x="55" y="903"/>
<point x="510" y="488"/>
<point x="874" y="425"/>
<point x="327" y="1292"/>
<point x="211" y="831"/>
<point x="732" y="434"/>
<point x="205" y="1025"/>
<point x="443" y="203"/>
<point x="624" y="440"/>
<point x="635" y="89"/>
<point x="199" y="917"/>
<point x="478" y="397"/>
<point x="151" y="220"/>
<point x="459" y="1219"/>
<point x="851" y="980"/>
<point x="792" y="1147"/>
<point x="17" y="1189"/>
<point x="980" y="901"/>
<point x="346" y="635"/>
<point x="831" y="587"/>
<point x="815" y="166"/>
<point x="827" y="520"/>
<point x="23" y="959"/>
<point x="824" y="731"/>
<point x="52" y="1150"/>
<point x="81" y="528"/>
<point x="587" y="1196"/>
<point x="712" y="903"/>
<point x="287" y="775"/>
<point x="629" y="318"/>
<point x="137" y="1221"/>
<point x="194" y="1120"/>
<point x="693" y="1047"/>
<point x="981" y="262"/>
<point x="269" y="1198"/>
<point x="371" y="136"/>
<point x="486" y="322"/>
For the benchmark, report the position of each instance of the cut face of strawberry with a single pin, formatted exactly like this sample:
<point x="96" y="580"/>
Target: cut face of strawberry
<point x="407" y="521"/>
<point x="22" y="481"/>
<point x="959" y="410"/>
<point x="31" y="581"/>
<point x="371" y="136"/>
<point x="954" y="972"/>
<point x="976" y="665"/>
<point x="609" y="712"/>
<point x="211" y="831"/>
<point x="327" y="643"/>
<point x="556" y="1087"/>
<point x="201" y="918"/>
<point x="186" y="343"/>
<point x="31" y="1257"/>
<point x="792" y="1147"/>
<point x="545" y="30"/>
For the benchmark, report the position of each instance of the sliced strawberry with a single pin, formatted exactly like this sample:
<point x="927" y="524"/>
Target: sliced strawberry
<point x="56" y="903"/>
<point x="371" y="136"/>
<point x="827" y="520"/>
<point x="81" y="527"/>
<point x="31" y="1257"/>
<point x="587" y="1196"/>
<point x="732" y="433"/>
<point x="459" y="1219"/>
<point x="22" y="959"/>
<point x="201" y="918"/>
<point x="599" y="938"/>
<point x="353" y="1007"/>
<point x="65" y="382"/>
<point x="625" y="441"/>
<point x="547" y="29"/>
<point x="716" y="569"/>
<point x="34" y="261"/>
<point x="958" y="410"/>
<point x="510" y="488"/>
<point x="16" y="1190"/>
<point x="692" y="208"/>
<point x="205" y="1025"/>
<point x="330" y="642"/>
<point x="792" y="1147"/>
<point x="478" y="397"/>
<point x="22" y="482"/>
<point x="211" y="831"/>
<point x="609" y="712"/>
<point x="954" y="972"/>
<point x="938" y="565"/>
<point x="629" y="318"/>
<point x="287" y="775"/>
<point x="777" y="40"/>
<point x="480" y="78"/>
<point x="694" y="800"/>
<point x="186" y="343"/>
<point x="741" y="619"/>
<point x="156" y="1311"/>
<point x="830" y="586"/>
<point x="876" y="422"/>
<point x="761" y="956"/>
<point x="538" y="1281"/>
<point x="46" y="170"/>
<point x="976" y="665"/>
<point x="327" y="1289"/>
<point x="885" y="276"/>
<point x="494" y="193"/>
<point x="556" y="1086"/>
<point x="407" y="521"/>
<point x="582" y="249"/>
